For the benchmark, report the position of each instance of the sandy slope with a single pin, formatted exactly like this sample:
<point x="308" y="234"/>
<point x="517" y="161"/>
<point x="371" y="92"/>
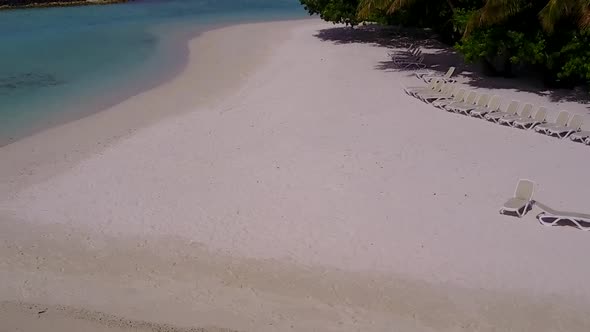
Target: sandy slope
<point x="317" y="197"/>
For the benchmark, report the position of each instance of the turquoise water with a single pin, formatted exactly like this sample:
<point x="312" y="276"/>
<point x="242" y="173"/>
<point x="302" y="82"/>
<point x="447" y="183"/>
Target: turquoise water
<point x="63" y="63"/>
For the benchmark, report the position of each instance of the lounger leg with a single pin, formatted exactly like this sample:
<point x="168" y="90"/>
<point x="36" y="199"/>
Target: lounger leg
<point x="541" y="218"/>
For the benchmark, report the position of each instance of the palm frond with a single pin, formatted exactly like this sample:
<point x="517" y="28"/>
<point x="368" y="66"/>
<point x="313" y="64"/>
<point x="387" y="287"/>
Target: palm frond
<point x="584" y="21"/>
<point x="399" y="4"/>
<point x="553" y="12"/>
<point x="366" y="7"/>
<point x="556" y="10"/>
<point x="496" y="11"/>
<point x="474" y="22"/>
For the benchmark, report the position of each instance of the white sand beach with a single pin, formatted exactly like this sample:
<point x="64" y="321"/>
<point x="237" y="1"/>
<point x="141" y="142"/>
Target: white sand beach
<point x="289" y="186"/>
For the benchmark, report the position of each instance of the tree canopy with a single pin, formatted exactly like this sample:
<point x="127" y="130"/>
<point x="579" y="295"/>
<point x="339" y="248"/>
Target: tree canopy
<point x="547" y="36"/>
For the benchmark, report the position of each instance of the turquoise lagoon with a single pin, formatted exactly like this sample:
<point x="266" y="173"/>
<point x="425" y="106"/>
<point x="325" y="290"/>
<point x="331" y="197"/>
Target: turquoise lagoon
<point x="58" y="64"/>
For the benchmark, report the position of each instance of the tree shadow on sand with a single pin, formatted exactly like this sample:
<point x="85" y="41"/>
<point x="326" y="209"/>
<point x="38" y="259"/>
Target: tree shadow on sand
<point x="439" y="57"/>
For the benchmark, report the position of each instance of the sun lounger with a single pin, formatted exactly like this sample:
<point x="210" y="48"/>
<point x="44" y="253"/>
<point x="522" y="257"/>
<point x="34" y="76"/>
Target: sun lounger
<point x="482" y="101"/>
<point x="397" y="57"/>
<point x="580" y="136"/>
<point x="411" y="50"/>
<point x="468" y="101"/>
<point x="492" y="106"/>
<point x="510" y="110"/>
<point x="438" y="86"/>
<point x="405" y="55"/>
<point x="445" y="93"/>
<point x="560" y="121"/>
<point x="575" y="124"/>
<point x="521" y="203"/>
<point x="526" y="113"/>
<point x="550" y="217"/>
<point x="458" y="96"/>
<point x="446" y="77"/>
<point x="411" y="90"/>
<point x="538" y="119"/>
<point x="428" y="72"/>
<point x="405" y="64"/>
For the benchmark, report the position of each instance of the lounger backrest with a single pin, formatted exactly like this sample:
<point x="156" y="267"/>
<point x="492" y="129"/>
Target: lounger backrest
<point x="459" y="94"/>
<point x="494" y="103"/>
<point x="527" y="110"/>
<point x="524" y="190"/>
<point x="450" y="72"/>
<point x="470" y="98"/>
<point x="576" y="122"/>
<point x="438" y="85"/>
<point x="541" y="114"/>
<point x="562" y="118"/>
<point x="431" y="84"/>
<point x="448" y="89"/>
<point x="483" y="99"/>
<point x="513" y="107"/>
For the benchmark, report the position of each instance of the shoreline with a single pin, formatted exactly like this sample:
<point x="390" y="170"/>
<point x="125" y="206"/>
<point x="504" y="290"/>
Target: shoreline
<point x="175" y="55"/>
<point x="63" y="4"/>
<point x="105" y="126"/>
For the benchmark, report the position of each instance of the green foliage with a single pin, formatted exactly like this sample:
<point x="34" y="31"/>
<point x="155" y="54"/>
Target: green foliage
<point x="572" y="62"/>
<point x="550" y="36"/>
<point x="501" y="48"/>
<point x="335" y="11"/>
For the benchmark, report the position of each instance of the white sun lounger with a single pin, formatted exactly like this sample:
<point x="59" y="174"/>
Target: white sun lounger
<point x="539" y="118"/>
<point x="411" y="90"/>
<point x="468" y="101"/>
<point x="575" y="124"/>
<point x="521" y="203"/>
<point x="526" y="113"/>
<point x="458" y="96"/>
<point x="438" y="87"/>
<point x="560" y="121"/>
<point x="432" y="75"/>
<point x="580" y="136"/>
<point x="413" y="50"/>
<point x="408" y="58"/>
<point x="511" y="110"/>
<point x="550" y="217"/>
<point x="416" y="63"/>
<point x="482" y="101"/>
<point x="492" y="106"/>
<point x="445" y="93"/>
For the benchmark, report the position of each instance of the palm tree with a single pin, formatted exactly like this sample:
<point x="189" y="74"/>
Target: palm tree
<point x="389" y="6"/>
<point x="496" y="11"/>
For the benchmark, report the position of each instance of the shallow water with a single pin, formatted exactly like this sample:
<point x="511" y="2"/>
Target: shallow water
<point x="63" y="63"/>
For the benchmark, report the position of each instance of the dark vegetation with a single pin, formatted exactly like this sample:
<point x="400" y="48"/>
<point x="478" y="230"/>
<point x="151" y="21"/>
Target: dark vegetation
<point x="550" y="38"/>
<point x="12" y="4"/>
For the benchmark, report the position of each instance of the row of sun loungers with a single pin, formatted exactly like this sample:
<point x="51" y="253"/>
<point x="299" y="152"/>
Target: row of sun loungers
<point x="443" y="94"/>
<point x="412" y="58"/>
<point x="522" y="202"/>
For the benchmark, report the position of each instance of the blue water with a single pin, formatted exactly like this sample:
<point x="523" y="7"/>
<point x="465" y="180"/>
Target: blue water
<point x="62" y="63"/>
